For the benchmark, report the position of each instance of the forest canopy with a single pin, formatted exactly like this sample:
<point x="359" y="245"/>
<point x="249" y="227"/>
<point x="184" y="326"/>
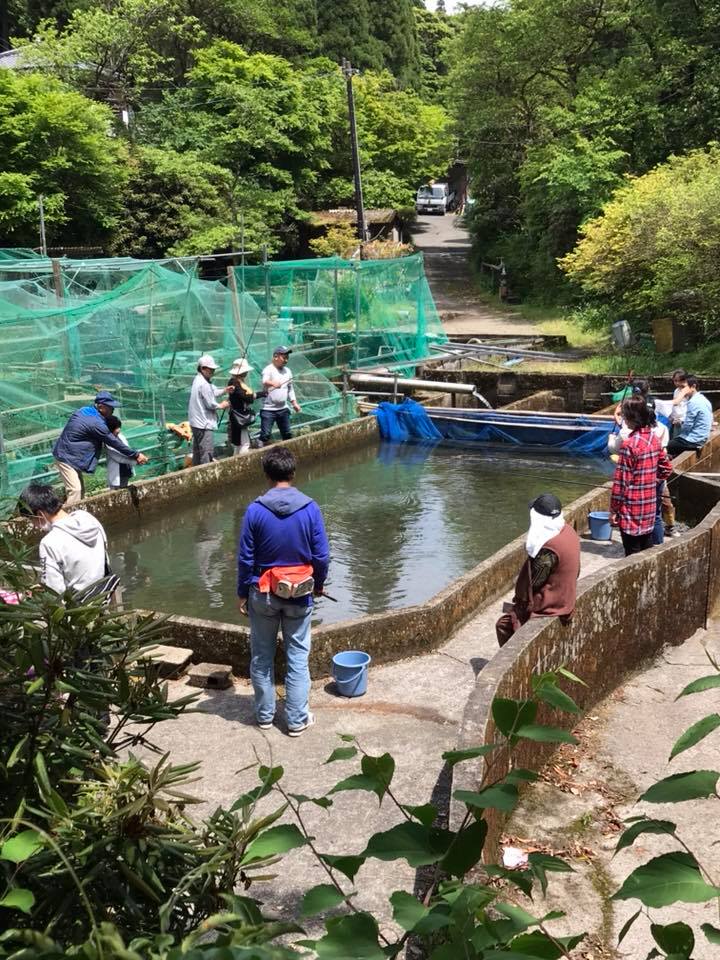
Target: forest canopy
<point x="173" y="126"/>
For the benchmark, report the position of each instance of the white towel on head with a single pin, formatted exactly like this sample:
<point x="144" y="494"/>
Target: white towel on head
<point x="541" y="530"/>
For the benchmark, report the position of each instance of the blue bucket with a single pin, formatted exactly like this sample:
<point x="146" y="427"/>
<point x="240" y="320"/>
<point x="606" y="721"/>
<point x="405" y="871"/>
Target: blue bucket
<point x="350" y="672"/>
<point x="600" y="528"/>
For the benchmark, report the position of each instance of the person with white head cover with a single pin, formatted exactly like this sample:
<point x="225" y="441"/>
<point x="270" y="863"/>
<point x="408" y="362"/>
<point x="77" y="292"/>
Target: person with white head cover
<point x="547" y="583"/>
<point x="241" y="414"/>
<point x="202" y="410"/>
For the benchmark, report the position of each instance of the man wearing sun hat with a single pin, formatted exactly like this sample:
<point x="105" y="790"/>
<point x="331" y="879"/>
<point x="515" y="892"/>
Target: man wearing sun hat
<point x="278" y="381"/>
<point x="202" y="410"/>
<point x="78" y="447"/>
<point x="547" y="583"/>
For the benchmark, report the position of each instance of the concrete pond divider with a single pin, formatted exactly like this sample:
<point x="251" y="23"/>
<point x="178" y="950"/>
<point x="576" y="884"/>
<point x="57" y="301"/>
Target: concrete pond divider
<point x="625" y="613"/>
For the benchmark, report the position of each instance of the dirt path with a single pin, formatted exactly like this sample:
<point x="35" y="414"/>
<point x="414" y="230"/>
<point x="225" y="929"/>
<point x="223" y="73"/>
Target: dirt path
<point x="445" y="244"/>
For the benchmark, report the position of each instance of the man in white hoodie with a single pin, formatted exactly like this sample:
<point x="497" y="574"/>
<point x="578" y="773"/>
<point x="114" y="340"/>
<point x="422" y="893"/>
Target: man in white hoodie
<point x="73" y="552"/>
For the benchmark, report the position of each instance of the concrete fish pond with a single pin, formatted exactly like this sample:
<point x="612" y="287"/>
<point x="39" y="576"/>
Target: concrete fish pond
<point x="403" y="520"/>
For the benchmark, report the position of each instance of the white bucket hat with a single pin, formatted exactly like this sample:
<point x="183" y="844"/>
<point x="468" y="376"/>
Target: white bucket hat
<point x="239" y="367"/>
<point x="207" y="361"/>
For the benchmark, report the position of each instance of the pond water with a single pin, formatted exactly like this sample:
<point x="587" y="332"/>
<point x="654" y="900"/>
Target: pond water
<point x="403" y="520"/>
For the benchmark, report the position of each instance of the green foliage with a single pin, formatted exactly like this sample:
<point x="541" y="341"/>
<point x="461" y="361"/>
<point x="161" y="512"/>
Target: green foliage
<point x="652" y="251"/>
<point x="344" y="31"/>
<point x="88" y="832"/>
<point x="238" y="125"/>
<point x="116" y="51"/>
<point x="170" y="202"/>
<point x="679" y="876"/>
<point x="556" y="101"/>
<point x="56" y="143"/>
<point x="99" y="853"/>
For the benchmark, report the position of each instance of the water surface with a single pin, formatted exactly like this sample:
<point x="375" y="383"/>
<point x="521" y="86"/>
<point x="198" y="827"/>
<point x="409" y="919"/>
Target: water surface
<point x="403" y="520"/>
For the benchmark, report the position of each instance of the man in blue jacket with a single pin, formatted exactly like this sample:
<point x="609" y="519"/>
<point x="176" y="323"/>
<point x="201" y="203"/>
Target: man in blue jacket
<point x="282" y="531"/>
<point x="78" y="447"/>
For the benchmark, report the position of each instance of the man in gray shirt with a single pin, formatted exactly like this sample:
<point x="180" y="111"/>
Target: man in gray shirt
<point x="202" y="411"/>
<point x="278" y="381"/>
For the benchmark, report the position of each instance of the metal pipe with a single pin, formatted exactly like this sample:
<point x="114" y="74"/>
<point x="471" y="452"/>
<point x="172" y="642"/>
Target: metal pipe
<point x="438" y="386"/>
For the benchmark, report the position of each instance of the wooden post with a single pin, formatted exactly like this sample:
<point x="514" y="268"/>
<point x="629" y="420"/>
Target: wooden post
<point x="70" y="343"/>
<point x="4" y="480"/>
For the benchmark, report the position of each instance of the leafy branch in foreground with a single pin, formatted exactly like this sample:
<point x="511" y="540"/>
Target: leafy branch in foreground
<point x="679" y="876"/>
<point x="99" y="851"/>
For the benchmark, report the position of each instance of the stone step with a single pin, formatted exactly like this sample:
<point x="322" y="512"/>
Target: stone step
<point x="170" y="662"/>
<point x="212" y="676"/>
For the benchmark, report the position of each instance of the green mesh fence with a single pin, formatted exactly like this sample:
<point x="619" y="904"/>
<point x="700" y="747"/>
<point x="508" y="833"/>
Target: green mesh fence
<point x="138" y="328"/>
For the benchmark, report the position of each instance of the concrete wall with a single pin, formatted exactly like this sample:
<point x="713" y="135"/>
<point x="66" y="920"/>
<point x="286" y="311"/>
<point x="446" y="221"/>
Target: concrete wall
<point x="543" y="400"/>
<point x="583" y="392"/>
<point x="405" y="632"/>
<point x="625" y="614"/>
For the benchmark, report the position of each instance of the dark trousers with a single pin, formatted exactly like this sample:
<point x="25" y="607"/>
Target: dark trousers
<point x="636" y="544"/>
<point x="270" y="417"/>
<point x="680" y="445"/>
<point x="658" y="534"/>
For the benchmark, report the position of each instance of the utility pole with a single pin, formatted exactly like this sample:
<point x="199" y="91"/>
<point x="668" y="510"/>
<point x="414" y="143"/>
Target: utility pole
<point x="43" y="241"/>
<point x="348" y="73"/>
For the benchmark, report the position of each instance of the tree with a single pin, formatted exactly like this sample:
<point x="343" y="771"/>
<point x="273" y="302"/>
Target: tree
<point x="654" y="250"/>
<point x="344" y="30"/>
<point x="56" y="143"/>
<point x="170" y="201"/>
<point x="544" y="86"/>
<point x="393" y="24"/>
<point x="434" y="31"/>
<point x="114" y="52"/>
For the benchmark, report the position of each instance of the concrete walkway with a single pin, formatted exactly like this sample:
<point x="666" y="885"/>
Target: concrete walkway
<point x="590" y="790"/>
<point x="445" y="243"/>
<point x="412" y="710"/>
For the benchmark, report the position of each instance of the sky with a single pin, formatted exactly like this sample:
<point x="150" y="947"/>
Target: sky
<point x="450" y="5"/>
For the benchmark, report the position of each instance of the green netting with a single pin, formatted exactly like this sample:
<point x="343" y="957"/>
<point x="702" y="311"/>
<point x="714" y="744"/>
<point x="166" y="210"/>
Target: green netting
<point x="339" y="312"/>
<point x="138" y="328"/>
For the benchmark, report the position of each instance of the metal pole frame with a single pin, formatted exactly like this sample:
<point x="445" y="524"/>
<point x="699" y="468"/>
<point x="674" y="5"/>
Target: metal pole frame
<point x="335" y="320"/>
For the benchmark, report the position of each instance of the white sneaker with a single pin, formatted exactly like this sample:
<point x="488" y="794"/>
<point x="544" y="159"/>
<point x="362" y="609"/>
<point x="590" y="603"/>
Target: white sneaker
<point x="266" y="726"/>
<point x="297" y="731"/>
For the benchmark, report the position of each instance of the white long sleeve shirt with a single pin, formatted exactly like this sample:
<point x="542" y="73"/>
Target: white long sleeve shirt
<point x="203" y="404"/>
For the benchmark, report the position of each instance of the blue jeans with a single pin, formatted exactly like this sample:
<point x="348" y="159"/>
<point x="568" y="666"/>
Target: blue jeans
<point x="268" y="614"/>
<point x="658" y="533"/>
<point x="270" y="417"/>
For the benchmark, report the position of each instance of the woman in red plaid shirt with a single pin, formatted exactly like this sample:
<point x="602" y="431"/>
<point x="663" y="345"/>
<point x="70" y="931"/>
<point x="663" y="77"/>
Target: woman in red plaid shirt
<point x="642" y="465"/>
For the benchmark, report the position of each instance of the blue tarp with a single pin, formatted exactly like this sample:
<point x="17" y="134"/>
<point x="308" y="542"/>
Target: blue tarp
<point x="575" y="435"/>
<point x="406" y="421"/>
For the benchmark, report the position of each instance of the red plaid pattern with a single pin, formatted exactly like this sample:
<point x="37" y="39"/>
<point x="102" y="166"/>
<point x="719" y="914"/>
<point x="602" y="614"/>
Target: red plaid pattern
<point x="643" y="464"/>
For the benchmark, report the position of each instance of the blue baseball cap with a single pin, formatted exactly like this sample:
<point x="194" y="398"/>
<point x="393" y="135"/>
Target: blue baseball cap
<point x="284" y="351"/>
<point x="107" y="398"/>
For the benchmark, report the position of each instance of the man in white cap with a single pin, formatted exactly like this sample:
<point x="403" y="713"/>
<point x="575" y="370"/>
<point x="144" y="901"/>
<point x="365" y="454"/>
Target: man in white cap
<point x="202" y="410"/>
<point x="278" y="381"/>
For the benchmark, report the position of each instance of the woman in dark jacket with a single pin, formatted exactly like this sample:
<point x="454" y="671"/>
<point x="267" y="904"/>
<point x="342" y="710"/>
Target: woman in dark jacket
<point x="241" y="412"/>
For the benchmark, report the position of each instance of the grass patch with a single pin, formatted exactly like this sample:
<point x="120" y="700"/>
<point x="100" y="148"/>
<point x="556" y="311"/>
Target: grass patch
<point x="553" y="321"/>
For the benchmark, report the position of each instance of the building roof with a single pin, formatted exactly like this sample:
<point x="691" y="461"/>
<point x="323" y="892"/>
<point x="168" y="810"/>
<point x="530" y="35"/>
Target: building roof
<point x="322" y="218"/>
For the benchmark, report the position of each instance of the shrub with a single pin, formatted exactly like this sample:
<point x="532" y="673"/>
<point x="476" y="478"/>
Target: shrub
<point x="654" y="250"/>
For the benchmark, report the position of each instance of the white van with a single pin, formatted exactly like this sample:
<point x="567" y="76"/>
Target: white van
<point x="433" y="198"/>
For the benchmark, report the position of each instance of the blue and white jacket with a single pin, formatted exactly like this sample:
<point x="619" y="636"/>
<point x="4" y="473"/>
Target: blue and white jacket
<point x="81" y="442"/>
